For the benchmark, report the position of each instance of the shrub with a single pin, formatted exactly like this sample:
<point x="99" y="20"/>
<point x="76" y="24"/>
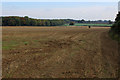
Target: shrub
<point x="115" y="29"/>
<point x="71" y="23"/>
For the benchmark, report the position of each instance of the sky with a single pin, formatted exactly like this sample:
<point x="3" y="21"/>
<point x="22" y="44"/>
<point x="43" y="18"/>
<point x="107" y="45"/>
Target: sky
<point x="59" y="0"/>
<point x="62" y="10"/>
<point x="119" y="6"/>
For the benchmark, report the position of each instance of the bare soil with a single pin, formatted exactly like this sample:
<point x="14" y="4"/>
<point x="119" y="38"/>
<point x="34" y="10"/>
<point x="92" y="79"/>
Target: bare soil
<point x="59" y="52"/>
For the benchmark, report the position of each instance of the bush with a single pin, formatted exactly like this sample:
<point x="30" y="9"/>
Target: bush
<point x="115" y="29"/>
<point x="71" y="23"/>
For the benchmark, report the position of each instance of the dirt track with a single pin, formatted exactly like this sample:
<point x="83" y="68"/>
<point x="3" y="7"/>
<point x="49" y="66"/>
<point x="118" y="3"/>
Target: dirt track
<point x="60" y="53"/>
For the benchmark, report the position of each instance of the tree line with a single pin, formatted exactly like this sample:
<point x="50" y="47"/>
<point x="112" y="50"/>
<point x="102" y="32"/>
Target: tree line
<point x="96" y="22"/>
<point x="26" y="21"/>
<point x="115" y="29"/>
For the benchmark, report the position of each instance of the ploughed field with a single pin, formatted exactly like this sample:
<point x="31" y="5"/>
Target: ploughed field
<point x="59" y="52"/>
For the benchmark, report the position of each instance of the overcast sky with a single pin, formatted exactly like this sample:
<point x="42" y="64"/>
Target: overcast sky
<point x="54" y="10"/>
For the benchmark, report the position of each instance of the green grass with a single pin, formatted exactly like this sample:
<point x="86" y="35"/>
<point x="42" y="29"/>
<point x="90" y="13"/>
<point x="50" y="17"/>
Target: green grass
<point x="26" y="43"/>
<point x="84" y="24"/>
<point x="9" y="44"/>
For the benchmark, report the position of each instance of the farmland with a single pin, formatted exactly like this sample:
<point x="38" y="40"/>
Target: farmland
<point x="93" y="25"/>
<point x="59" y="52"/>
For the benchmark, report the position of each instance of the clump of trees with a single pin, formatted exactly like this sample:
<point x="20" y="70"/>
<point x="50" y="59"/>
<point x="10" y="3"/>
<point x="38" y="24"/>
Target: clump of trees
<point x="72" y="23"/>
<point x="26" y="21"/>
<point x="115" y="29"/>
